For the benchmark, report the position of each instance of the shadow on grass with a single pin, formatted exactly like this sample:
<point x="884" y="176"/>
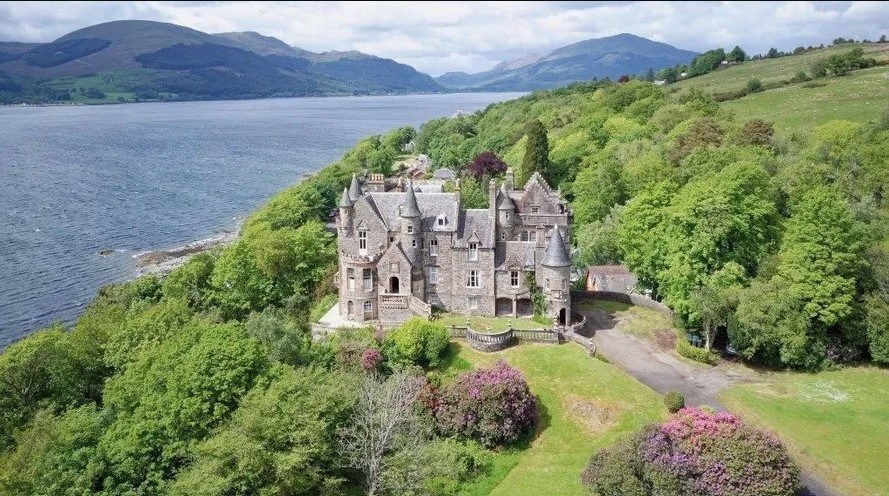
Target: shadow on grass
<point x="452" y="361"/>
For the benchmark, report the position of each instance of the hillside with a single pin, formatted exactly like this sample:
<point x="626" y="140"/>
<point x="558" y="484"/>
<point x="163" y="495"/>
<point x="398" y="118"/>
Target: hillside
<point x="611" y="57"/>
<point x="133" y="60"/>
<point x="860" y="96"/>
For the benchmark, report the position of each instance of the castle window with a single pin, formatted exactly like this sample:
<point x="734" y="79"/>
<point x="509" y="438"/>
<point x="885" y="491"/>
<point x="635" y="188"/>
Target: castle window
<point x="362" y="242"/>
<point x="368" y="310"/>
<point x="414" y="243"/>
<point x="350" y="308"/>
<point x="391" y="239"/>
<point x="472" y="279"/>
<point x="546" y="284"/>
<point x="351" y="279"/>
<point x="410" y="229"/>
<point x="502" y="236"/>
<point x="473" y="303"/>
<point x="368" y="280"/>
<point x="529" y="235"/>
<point x="514" y="278"/>
<point x="473" y="251"/>
<point x="433" y="247"/>
<point x="535" y="210"/>
<point x="507" y="215"/>
<point x="433" y="275"/>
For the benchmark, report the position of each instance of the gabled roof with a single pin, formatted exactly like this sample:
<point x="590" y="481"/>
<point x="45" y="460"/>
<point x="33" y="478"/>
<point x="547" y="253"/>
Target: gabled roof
<point x="385" y="207"/>
<point x="476" y="222"/>
<point x="556" y="254"/>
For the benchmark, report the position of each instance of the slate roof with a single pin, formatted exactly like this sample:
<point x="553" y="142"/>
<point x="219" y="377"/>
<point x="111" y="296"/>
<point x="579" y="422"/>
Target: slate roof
<point x="410" y="208"/>
<point x="521" y="252"/>
<point x="475" y="221"/>
<point x="556" y="254"/>
<point x="608" y="270"/>
<point x="385" y="205"/>
<point x="504" y="202"/>
<point x="354" y="189"/>
<point x="443" y="173"/>
<point x="345" y="201"/>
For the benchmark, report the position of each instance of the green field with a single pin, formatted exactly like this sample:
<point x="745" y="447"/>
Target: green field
<point x="836" y="423"/>
<point x="772" y="70"/>
<point x="112" y="83"/>
<point x="586" y="405"/>
<point x="860" y="97"/>
<point x="481" y="324"/>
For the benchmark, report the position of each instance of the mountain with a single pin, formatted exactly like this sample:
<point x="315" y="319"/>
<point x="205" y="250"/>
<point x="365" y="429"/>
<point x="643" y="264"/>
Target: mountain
<point x="611" y="57"/>
<point x="154" y="60"/>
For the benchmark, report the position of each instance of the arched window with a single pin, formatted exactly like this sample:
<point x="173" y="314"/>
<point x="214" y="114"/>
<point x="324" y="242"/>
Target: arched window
<point x="350" y="308"/>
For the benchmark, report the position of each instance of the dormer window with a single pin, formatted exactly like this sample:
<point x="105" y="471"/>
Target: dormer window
<point x="473" y="251"/>
<point x="441" y="220"/>
<point x="535" y="210"/>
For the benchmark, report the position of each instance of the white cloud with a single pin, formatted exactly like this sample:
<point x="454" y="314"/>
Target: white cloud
<point x="437" y="37"/>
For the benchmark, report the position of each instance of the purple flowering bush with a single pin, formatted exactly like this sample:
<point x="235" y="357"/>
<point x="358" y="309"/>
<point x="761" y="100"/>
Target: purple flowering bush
<point x="371" y="359"/>
<point x="493" y="406"/>
<point x="695" y="453"/>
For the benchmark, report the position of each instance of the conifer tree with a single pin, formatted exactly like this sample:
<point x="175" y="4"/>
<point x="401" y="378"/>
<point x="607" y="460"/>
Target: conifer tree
<point x="536" y="154"/>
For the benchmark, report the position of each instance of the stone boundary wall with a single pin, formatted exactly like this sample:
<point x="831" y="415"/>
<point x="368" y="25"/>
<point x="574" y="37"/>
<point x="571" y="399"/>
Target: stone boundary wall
<point x="629" y="298"/>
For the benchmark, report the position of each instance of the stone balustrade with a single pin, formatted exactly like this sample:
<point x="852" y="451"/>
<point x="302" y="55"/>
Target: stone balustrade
<point x="394" y="301"/>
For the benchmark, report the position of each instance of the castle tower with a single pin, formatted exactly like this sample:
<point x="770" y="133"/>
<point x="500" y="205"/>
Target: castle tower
<point x="505" y="212"/>
<point x="411" y="226"/>
<point x="347" y="212"/>
<point x="554" y="276"/>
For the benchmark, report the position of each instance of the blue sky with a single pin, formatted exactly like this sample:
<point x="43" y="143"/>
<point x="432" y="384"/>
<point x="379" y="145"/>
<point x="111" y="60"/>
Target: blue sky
<point x="437" y="37"/>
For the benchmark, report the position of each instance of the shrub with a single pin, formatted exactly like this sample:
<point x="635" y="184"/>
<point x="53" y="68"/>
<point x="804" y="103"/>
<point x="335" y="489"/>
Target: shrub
<point x="754" y="85"/>
<point x="417" y="342"/>
<point x="493" y="406"/>
<point x="371" y="359"/>
<point x="696" y="452"/>
<point x="674" y="401"/>
<point x="684" y="348"/>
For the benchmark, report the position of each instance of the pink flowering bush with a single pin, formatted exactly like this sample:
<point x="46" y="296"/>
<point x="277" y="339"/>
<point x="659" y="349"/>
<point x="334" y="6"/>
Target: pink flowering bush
<point x="695" y="453"/>
<point x="371" y="359"/>
<point x="493" y="406"/>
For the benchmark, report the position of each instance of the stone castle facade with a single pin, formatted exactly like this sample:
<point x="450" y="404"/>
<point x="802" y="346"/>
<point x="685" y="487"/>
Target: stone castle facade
<point x="402" y="251"/>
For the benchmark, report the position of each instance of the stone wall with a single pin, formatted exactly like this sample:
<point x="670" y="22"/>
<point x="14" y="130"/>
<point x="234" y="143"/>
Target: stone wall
<point x="628" y="298"/>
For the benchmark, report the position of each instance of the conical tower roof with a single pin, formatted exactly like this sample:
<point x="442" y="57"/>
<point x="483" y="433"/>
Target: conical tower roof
<point x="345" y="201"/>
<point x="354" y="189"/>
<point x="556" y="254"/>
<point x="410" y="207"/>
<point x="505" y="202"/>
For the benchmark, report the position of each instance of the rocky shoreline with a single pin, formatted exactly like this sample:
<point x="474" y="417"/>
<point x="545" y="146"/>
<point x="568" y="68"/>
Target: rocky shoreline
<point x="161" y="262"/>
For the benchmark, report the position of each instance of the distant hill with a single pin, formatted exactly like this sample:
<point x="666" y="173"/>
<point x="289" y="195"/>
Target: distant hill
<point x="154" y="60"/>
<point x="611" y="57"/>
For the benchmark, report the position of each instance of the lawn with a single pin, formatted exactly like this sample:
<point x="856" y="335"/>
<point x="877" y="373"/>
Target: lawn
<point x="631" y="319"/>
<point x="586" y="405"/>
<point x="481" y="324"/>
<point x="836" y="423"/>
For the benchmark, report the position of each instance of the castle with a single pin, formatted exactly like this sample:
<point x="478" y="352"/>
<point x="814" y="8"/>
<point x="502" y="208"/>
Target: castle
<point x="403" y="251"/>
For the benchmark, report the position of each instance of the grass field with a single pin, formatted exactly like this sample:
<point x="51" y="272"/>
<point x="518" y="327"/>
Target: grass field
<point x="586" y="405"/>
<point x="111" y="83"/>
<point x="860" y="97"/>
<point x="836" y="423"/>
<point x="772" y="70"/>
<point x="497" y="324"/>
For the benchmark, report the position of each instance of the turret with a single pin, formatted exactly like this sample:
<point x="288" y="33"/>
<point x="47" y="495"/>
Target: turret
<point x="509" y="182"/>
<point x="411" y="225"/>
<point x="346" y="212"/>
<point x="505" y="210"/>
<point x="354" y="189"/>
<point x="555" y="276"/>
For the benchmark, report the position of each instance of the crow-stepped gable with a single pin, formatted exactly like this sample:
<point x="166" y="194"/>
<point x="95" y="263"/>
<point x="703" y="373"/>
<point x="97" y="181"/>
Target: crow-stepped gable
<point x="403" y="251"/>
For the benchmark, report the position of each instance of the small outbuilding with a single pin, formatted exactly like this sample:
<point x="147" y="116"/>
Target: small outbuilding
<point x="612" y="278"/>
